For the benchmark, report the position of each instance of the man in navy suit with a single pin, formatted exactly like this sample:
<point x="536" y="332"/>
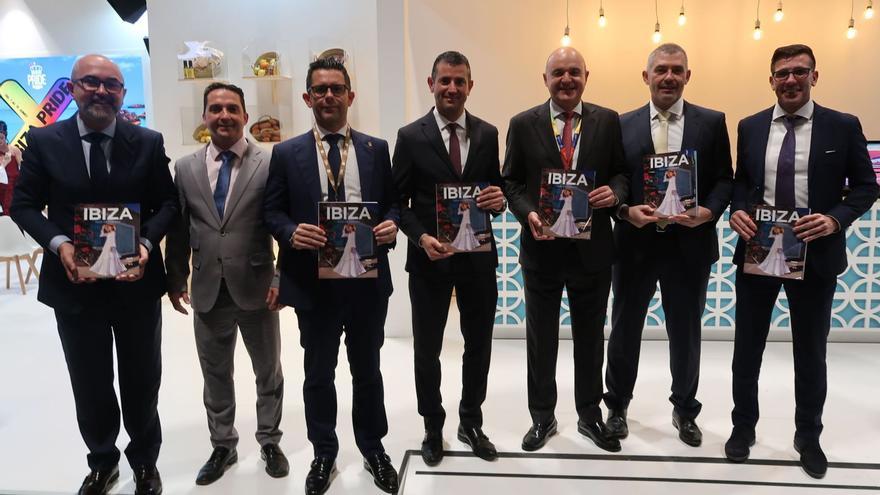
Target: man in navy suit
<point x="94" y="157"/>
<point x="449" y="145"/>
<point x="299" y="178"/>
<point x="678" y="251"/>
<point x="794" y="154"/>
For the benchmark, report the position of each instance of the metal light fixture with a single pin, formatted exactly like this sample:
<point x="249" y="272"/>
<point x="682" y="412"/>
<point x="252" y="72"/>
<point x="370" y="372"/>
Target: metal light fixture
<point x="682" y="19"/>
<point x="851" y="30"/>
<point x="779" y="13"/>
<point x="656" y="37"/>
<point x="869" y="10"/>
<point x="602" y="20"/>
<point x="757" y="33"/>
<point x="566" y="39"/>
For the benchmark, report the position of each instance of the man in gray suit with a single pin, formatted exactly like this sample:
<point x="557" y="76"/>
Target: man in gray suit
<point x="221" y="198"/>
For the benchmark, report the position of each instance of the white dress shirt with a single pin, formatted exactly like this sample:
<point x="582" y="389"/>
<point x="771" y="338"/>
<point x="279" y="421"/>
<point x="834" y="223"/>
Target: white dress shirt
<point x="803" y="132"/>
<point x="107" y="145"/>
<point x="675" y="125"/>
<point x="558" y="114"/>
<point x="463" y="139"/>
<point x="352" y="179"/>
<point x="214" y="162"/>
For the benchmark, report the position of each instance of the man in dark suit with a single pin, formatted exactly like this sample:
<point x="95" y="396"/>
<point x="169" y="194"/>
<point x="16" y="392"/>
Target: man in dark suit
<point x="794" y="154"/>
<point x="233" y="288"/>
<point x="300" y="177"/>
<point x="449" y="145"/>
<point x="94" y="157"/>
<point x="583" y="267"/>
<point x="677" y="251"/>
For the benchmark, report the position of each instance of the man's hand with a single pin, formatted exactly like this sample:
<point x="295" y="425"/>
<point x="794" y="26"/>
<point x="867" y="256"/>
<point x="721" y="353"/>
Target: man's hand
<point x="433" y="248"/>
<point x="640" y="215"/>
<point x="491" y="198"/>
<point x="811" y="227"/>
<point x="537" y="227"/>
<point x="175" y="298"/>
<point x="742" y="224"/>
<point x="65" y="253"/>
<point x="308" y="236"/>
<point x="142" y="262"/>
<point x="272" y="300"/>
<point x="703" y="215"/>
<point x="602" y="197"/>
<point x="385" y="232"/>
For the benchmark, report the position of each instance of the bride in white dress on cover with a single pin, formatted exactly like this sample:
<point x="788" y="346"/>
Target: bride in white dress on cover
<point x="671" y="204"/>
<point x="774" y="263"/>
<point x="349" y="265"/>
<point x="564" y="225"/>
<point x="108" y="263"/>
<point x="465" y="239"/>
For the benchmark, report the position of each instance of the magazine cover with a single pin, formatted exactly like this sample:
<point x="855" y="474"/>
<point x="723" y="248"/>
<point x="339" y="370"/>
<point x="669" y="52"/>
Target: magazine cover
<point x="106" y="239"/>
<point x="350" y="251"/>
<point x="564" y="204"/>
<point x="775" y="251"/>
<point x="671" y="183"/>
<point x="461" y="225"/>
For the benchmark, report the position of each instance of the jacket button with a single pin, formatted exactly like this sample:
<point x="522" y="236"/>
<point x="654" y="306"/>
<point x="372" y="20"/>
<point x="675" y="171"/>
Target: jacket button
<point x="222" y="233"/>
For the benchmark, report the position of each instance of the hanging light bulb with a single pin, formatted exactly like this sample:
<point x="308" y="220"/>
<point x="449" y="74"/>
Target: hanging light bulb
<point x="656" y="37"/>
<point x="779" y="13"/>
<point x="602" y="20"/>
<point x="851" y="31"/>
<point x="869" y="10"/>
<point x="757" y="32"/>
<point x="682" y="19"/>
<point x="566" y="39"/>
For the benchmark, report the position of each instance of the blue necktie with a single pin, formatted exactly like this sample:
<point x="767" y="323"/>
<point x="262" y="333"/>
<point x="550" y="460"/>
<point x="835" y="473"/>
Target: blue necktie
<point x="98" y="174"/>
<point x="335" y="164"/>
<point x="785" y="197"/>
<point x="222" y="188"/>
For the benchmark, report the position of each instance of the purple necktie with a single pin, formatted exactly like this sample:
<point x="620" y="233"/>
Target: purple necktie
<point x="454" y="148"/>
<point x="785" y="165"/>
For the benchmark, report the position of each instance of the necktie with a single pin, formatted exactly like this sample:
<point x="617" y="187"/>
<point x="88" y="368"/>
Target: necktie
<point x="222" y="188"/>
<point x="335" y="164"/>
<point x="661" y="139"/>
<point x="567" y="145"/>
<point x="785" y="165"/>
<point x="98" y="173"/>
<point x="454" y="148"/>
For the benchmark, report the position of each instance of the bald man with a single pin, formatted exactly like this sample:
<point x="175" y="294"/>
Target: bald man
<point x="94" y="157"/>
<point x="565" y="133"/>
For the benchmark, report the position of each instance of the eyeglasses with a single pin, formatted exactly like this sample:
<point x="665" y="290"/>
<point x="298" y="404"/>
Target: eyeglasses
<point x="336" y="89"/>
<point x="798" y="73"/>
<point x="92" y="83"/>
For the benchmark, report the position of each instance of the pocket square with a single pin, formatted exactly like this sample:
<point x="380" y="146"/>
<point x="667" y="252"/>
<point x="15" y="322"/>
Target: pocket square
<point x="828" y="152"/>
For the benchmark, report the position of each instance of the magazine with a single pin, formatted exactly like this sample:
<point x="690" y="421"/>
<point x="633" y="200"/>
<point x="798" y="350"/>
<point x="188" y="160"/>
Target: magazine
<point x="670" y="181"/>
<point x="564" y="203"/>
<point x="106" y="239"/>
<point x="461" y="226"/>
<point x="775" y="251"/>
<point x="350" y="251"/>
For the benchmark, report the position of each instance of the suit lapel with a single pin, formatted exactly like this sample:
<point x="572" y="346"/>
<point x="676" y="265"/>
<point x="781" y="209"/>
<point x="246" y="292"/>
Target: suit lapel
<point x="309" y="171"/>
<point x="589" y="122"/>
<point x="759" y="146"/>
<point x="818" y="145"/>
<point x="199" y="168"/>
<point x="250" y="162"/>
<point x="544" y="132"/>
<point x="363" y="148"/>
<point x="474" y="142"/>
<point x="69" y="135"/>
<point x="432" y="134"/>
<point x="122" y="155"/>
<point x="692" y="126"/>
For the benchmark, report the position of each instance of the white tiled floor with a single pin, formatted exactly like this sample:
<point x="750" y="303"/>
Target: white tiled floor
<point x="41" y="452"/>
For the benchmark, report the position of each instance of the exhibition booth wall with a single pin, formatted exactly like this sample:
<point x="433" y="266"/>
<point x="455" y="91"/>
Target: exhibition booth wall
<point x="391" y="44"/>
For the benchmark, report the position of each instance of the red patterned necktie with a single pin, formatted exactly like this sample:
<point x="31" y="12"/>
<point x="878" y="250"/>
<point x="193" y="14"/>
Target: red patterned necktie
<point x="567" y="145"/>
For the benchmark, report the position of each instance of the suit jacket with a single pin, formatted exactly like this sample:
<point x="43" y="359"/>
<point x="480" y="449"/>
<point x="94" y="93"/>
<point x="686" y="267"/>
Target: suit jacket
<point x="838" y="152"/>
<point x="237" y="248"/>
<point x="54" y="174"/>
<point x="704" y="131"/>
<point x="293" y="191"/>
<point x="531" y="147"/>
<point x="421" y="161"/>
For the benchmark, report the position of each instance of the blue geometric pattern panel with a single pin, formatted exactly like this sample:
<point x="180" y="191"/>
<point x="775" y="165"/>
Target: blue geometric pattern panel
<point x="856" y="303"/>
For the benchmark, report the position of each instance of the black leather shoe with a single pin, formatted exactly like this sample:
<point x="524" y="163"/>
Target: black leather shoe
<point x="813" y="460"/>
<point x="616" y="424"/>
<point x="538" y="435"/>
<point x="221" y="459"/>
<point x="598" y="433"/>
<point x="478" y="442"/>
<point x="432" y="447"/>
<point x="737" y="447"/>
<point x="276" y="463"/>
<point x="99" y="481"/>
<point x="320" y="475"/>
<point x="384" y="474"/>
<point x="688" y="431"/>
<point x="147" y="481"/>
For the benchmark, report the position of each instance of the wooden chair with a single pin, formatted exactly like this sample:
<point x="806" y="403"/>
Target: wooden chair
<point x="15" y="247"/>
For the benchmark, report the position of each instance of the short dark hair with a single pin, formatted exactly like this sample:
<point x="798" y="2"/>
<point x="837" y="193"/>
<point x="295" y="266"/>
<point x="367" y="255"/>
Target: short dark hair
<point x="667" y="49"/>
<point x="329" y="63"/>
<point x="790" y="51"/>
<point x="451" y="58"/>
<point x="221" y="85"/>
<point x="3" y="127"/>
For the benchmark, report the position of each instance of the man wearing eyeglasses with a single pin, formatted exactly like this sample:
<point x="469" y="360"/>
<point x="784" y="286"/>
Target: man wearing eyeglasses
<point x="795" y="154"/>
<point x="95" y="157"/>
<point x="333" y="162"/>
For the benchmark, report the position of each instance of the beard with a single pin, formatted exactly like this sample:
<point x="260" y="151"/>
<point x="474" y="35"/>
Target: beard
<point x="100" y="109"/>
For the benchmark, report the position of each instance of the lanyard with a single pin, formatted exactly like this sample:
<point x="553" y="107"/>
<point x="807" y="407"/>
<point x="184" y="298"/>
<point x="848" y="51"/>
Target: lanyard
<point x="332" y="181"/>
<point x="575" y="136"/>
